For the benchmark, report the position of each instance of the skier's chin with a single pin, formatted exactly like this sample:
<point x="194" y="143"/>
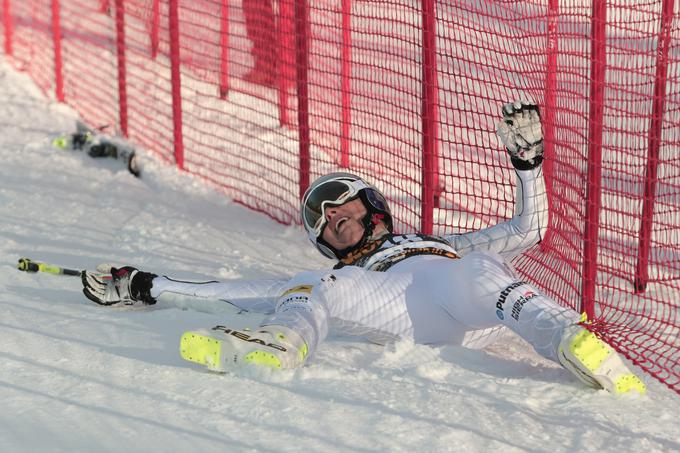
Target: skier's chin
<point x="347" y="237"/>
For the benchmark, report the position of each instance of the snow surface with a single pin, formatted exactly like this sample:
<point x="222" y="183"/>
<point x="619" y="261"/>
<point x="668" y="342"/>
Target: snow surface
<point x="76" y="377"/>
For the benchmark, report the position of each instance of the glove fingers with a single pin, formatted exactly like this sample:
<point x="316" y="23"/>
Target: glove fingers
<point x="91" y="296"/>
<point x="98" y="288"/>
<point x="522" y="143"/>
<point x="511" y="108"/>
<point x="526" y="127"/>
<point x="95" y="298"/>
<point x="97" y="282"/>
<point x="533" y="133"/>
<point x="532" y="116"/>
<point x="93" y="288"/>
<point x="507" y="135"/>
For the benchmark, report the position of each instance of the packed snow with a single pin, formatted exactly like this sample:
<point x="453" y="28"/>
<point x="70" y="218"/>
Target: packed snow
<point x="77" y="377"/>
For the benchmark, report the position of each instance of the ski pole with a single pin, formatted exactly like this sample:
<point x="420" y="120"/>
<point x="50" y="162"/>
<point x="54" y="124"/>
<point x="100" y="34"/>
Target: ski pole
<point x="28" y="265"/>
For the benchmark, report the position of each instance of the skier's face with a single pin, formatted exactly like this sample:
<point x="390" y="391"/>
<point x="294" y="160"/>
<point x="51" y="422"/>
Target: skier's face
<point x="344" y="228"/>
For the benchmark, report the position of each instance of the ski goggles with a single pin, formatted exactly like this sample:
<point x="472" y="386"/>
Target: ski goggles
<point x="333" y="192"/>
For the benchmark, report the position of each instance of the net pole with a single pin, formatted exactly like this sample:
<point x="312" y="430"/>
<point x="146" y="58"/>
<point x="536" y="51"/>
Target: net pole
<point x="284" y="61"/>
<point x="302" y="61"/>
<point x="653" y="146"/>
<point x="428" y="114"/>
<point x="550" y="103"/>
<point x="176" y="82"/>
<point x="598" y="72"/>
<point x="155" y="25"/>
<point x="122" y="70"/>
<point x="8" y="25"/>
<point x="224" y="49"/>
<point x="346" y="72"/>
<point x="58" y="64"/>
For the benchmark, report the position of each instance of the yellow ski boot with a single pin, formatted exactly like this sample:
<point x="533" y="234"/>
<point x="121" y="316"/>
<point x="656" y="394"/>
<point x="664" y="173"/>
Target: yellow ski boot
<point x="596" y="363"/>
<point x="222" y="348"/>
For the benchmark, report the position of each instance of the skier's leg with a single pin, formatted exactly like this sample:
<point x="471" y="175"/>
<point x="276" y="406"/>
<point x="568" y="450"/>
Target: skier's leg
<point x="552" y="330"/>
<point x="359" y="302"/>
<point x="281" y="341"/>
<point x="491" y="294"/>
<point x="353" y="300"/>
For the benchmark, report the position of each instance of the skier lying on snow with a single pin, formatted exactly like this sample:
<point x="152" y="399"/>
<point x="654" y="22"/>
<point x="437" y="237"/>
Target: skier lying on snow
<point x="454" y="289"/>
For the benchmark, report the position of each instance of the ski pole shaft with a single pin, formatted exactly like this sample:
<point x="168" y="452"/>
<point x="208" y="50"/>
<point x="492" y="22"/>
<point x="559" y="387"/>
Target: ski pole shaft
<point x="28" y="265"/>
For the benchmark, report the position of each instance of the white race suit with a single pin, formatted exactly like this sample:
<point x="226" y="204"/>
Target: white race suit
<point x="454" y="289"/>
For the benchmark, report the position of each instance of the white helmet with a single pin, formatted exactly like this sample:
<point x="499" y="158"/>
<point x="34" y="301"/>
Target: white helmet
<point x="335" y="189"/>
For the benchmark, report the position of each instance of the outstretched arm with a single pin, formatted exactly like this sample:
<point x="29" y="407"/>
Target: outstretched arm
<point x="258" y="296"/>
<point x="520" y="131"/>
<point x="130" y="286"/>
<point x="234" y="289"/>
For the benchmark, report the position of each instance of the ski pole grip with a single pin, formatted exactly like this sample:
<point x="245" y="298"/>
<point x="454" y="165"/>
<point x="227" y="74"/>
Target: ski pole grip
<point x="27" y="265"/>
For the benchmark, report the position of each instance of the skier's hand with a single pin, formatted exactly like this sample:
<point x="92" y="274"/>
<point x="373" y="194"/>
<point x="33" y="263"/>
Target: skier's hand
<point x="118" y="286"/>
<point x="521" y="133"/>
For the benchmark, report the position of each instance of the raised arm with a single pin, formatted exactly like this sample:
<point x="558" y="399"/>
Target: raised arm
<point x="520" y="131"/>
<point x="526" y="227"/>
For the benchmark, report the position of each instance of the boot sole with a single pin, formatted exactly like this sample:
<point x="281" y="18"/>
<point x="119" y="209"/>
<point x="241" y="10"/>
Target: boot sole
<point x="202" y="349"/>
<point x="221" y="354"/>
<point x="598" y="365"/>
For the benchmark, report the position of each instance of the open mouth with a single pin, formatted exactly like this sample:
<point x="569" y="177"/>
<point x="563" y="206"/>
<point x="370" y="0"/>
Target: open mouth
<point x="340" y="222"/>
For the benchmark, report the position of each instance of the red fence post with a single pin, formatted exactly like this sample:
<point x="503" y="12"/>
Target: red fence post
<point x="58" y="65"/>
<point x="176" y="82"/>
<point x="346" y="82"/>
<point x="224" y="49"/>
<point x="654" y="143"/>
<point x="285" y="61"/>
<point x="302" y="61"/>
<point x="550" y="98"/>
<point x="122" y="73"/>
<point x="598" y="71"/>
<point x="8" y="25"/>
<point x="429" y="115"/>
<point x="155" y="25"/>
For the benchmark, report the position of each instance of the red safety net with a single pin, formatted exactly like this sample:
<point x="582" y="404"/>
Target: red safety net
<point x="259" y="98"/>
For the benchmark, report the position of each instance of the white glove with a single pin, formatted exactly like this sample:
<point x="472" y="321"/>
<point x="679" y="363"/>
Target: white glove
<point x="118" y="286"/>
<point x="521" y="133"/>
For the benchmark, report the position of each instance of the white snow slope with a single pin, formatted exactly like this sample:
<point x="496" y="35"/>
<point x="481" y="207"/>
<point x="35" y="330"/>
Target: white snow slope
<point x="76" y="377"/>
